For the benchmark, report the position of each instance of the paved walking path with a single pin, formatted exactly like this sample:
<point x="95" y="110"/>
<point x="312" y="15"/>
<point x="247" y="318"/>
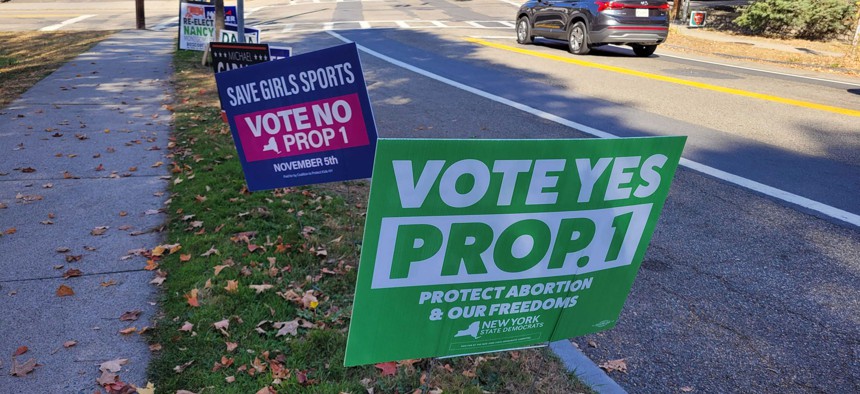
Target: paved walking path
<point x="79" y="156"/>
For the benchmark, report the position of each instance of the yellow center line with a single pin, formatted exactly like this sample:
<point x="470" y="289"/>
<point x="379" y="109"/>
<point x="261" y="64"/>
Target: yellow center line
<point x="721" y="89"/>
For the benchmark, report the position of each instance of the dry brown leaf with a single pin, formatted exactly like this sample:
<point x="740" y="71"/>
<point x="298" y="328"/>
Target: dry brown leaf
<point x="218" y="269"/>
<point x="687" y="389"/>
<point x="387" y="369"/>
<point x="113" y="365"/>
<point x="20" y="370"/>
<point x="181" y="368"/>
<point x="210" y="252"/>
<point x="614" y="365"/>
<point x="68" y="344"/>
<point x="222" y="326"/>
<point x="260" y="288"/>
<point x="65" y="291"/>
<point x="287" y="327"/>
<point x="129" y="330"/>
<point x="71" y="273"/>
<point x="20" y="350"/>
<point x="192" y="298"/>
<point x="231" y="346"/>
<point x="232" y="286"/>
<point x="155" y="347"/>
<point x="99" y="230"/>
<point x="187" y="326"/>
<point x="130" y="315"/>
<point x="184" y="258"/>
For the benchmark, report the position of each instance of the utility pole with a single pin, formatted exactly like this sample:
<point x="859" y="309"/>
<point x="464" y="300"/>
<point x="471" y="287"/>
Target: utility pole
<point x="138" y="11"/>
<point x="240" y="19"/>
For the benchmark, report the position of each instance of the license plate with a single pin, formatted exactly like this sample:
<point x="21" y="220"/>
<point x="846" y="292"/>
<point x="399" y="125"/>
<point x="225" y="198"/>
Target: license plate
<point x="641" y="12"/>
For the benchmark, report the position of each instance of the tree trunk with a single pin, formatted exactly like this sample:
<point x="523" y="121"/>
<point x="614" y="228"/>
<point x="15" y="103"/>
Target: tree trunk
<point x="676" y="10"/>
<point x="219" y="24"/>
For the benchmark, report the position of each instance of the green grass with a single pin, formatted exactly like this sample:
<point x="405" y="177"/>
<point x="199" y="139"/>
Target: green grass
<point x="307" y="242"/>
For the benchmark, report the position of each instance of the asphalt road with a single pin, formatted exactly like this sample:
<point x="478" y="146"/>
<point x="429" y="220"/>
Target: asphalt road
<point x="740" y="291"/>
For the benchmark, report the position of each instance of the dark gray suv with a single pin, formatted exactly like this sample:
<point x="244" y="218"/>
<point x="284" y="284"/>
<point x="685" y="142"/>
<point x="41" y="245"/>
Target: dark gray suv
<point x="641" y="24"/>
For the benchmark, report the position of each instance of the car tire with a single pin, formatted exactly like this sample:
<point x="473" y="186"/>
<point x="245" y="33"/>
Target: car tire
<point x="644" y="50"/>
<point x="577" y="39"/>
<point x="524" y="31"/>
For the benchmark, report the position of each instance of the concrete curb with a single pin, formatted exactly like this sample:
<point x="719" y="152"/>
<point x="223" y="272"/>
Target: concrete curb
<point x="585" y="369"/>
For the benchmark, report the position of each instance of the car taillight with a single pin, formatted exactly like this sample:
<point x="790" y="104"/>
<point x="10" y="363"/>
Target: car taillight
<point x="614" y="5"/>
<point x="608" y="5"/>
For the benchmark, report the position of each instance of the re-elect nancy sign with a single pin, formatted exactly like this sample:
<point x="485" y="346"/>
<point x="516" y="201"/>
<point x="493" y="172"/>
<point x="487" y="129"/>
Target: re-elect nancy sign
<point x="196" y="25"/>
<point x="302" y="120"/>
<point x="473" y="246"/>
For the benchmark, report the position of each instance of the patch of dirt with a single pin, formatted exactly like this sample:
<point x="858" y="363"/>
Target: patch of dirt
<point x="833" y="57"/>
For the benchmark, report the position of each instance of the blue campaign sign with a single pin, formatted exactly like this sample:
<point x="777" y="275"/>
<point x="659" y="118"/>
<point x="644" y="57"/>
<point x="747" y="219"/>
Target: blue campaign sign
<point x="302" y="120"/>
<point x="229" y="14"/>
<point x="277" y="53"/>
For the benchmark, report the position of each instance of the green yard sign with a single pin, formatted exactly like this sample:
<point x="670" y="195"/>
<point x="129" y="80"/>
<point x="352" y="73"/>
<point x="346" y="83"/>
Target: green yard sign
<point x="473" y="246"/>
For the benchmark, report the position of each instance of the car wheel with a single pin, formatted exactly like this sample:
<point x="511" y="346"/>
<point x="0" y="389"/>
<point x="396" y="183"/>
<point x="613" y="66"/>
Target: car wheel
<point x="577" y="39"/>
<point x="524" y="31"/>
<point x="644" y="50"/>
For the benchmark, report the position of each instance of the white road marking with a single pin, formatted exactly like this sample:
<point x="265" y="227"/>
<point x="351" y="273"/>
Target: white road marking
<point x="475" y="24"/>
<point x="253" y="10"/>
<point x="364" y="24"/>
<point x="402" y="24"/>
<point x="759" y="70"/>
<point x="65" y="23"/>
<point x="804" y="202"/>
<point x="166" y="23"/>
<point x="512" y="3"/>
<point x="438" y="24"/>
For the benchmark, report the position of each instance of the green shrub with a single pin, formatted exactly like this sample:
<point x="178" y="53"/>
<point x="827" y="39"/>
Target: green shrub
<point x="810" y="19"/>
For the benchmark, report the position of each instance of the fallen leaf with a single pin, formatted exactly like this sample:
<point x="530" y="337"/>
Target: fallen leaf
<point x="129" y="330"/>
<point x="64" y="291"/>
<point x="107" y="378"/>
<point x="192" y="298"/>
<point x="614" y="365"/>
<point x="230" y="379"/>
<point x="23" y="369"/>
<point x="20" y="350"/>
<point x="181" y="368"/>
<point x="130" y="315"/>
<point x="68" y="344"/>
<point x="261" y="288"/>
<point x="309" y="300"/>
<point x="387" y="369"/>
<point x="109" y="283"/>
<point x="184" y="257"/>
<point x="10" y="231"/>
<point x="187" y="327"/>
<point x="210" y="252"/>
<point x="155" y="347"/>
<point x="113" y="365"/>
<point x="72" y="258"/>
<point x="232" y="286"/>
<point x="99" y="230"/>
<point x="287" y="327"/>
<point x="151" y="265"/>
<point x="231" y="346"/>
<point x="71" y="273"/>
<point x="686" y="389"/>
<point x="149" y="389"/>
<point x="222" y="326"/>
<point x="62" y="249"/>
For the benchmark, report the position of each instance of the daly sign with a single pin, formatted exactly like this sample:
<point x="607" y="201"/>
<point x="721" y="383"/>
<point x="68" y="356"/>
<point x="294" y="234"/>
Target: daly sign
<point x="474" y="246"/>
<point x="302" y="120"/>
